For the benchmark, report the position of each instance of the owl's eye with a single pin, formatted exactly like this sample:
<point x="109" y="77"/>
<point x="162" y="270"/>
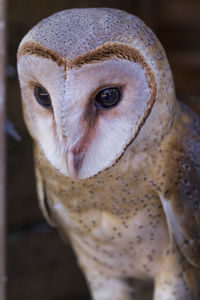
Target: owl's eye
<point x="42" y="96"/>
<point x="108" y="98"/>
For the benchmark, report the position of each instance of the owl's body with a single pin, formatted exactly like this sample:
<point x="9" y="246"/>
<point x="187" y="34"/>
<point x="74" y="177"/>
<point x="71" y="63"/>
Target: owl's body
<point x="117" y="157"/>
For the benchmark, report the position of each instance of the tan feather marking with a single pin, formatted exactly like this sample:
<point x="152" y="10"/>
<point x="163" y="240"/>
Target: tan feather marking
<point x="31" y="48"/>
<point x="181" y="191"/>
<point x="122" y="51"/>
<point x="107" y="51"/>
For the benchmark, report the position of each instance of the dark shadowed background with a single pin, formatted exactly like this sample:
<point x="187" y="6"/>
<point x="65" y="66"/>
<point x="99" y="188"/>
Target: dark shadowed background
<point x="40" y="266"/>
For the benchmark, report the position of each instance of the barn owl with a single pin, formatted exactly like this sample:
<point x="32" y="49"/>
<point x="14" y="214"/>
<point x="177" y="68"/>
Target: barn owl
<point x="117" y="157"/>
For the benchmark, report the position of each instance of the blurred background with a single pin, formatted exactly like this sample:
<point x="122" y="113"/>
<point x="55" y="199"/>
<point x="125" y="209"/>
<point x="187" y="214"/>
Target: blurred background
<point x="40" y="265"/>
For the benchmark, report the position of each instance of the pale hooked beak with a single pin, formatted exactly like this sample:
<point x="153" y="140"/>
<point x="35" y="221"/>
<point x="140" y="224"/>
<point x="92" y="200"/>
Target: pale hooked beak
<point x="74" y="163"/>
<point x="76" y="155"/>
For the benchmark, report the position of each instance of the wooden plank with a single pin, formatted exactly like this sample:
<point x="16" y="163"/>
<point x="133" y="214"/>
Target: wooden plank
<point x="22" y="207"/>
<point x="42" y="267"/>
<point x="148" y="11"/>
<point x="2" y="150"/>
<point x="180" y="12"/>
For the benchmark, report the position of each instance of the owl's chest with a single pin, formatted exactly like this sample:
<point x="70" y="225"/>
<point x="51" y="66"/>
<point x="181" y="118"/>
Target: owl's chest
<point x="118" y="223"/>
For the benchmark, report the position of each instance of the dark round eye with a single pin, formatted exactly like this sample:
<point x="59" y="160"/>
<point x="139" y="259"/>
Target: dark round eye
<point x="108" y="98"/>
<point x="42" y="96"/>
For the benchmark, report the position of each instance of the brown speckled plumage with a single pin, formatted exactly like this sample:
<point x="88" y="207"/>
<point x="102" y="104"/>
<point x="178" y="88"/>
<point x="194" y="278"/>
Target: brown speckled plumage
<point x="140" y="215"/>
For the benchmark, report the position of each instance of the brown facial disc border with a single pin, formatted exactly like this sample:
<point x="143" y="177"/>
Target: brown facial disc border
<point x="102" y="53"/>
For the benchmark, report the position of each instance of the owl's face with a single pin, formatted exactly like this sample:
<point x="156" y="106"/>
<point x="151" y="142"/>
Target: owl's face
<point x="85" y="112"/>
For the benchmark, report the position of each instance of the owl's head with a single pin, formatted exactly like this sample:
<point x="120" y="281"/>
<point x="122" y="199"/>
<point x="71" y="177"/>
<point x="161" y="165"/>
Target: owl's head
<point x="91" y="81"/>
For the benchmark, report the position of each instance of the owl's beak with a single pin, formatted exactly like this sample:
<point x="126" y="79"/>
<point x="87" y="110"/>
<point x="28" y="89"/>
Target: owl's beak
<point x="74" y="162"/>
<point x="76" y="155"/>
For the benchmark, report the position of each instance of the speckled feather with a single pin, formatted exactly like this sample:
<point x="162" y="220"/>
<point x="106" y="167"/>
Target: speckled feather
<point x="118" y="213"/>
<point x="139" y="216"/>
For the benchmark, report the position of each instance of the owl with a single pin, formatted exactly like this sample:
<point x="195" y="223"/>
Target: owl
<point x="117" y="157"/>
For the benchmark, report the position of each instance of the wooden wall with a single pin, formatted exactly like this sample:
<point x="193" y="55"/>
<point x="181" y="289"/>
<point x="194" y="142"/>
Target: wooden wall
<point x="40" y="265"/>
